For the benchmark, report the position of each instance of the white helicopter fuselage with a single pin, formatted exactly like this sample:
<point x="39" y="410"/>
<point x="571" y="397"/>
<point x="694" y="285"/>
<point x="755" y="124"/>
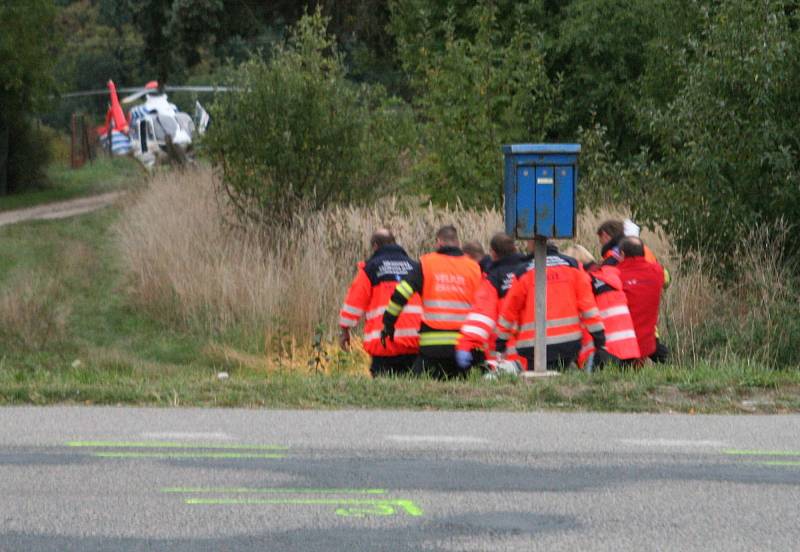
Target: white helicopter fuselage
<point x="158" y="129"/>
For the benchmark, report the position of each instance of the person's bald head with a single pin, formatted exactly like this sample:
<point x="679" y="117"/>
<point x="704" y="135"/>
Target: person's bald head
<point x="381" y="237"/>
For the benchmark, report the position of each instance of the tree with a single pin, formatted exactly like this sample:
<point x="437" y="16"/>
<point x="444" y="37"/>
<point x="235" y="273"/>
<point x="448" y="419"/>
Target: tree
<point x="475" y="94"/>
<point x="297" y="134"/>
<point x="25" y="85"/>
<point x="727" y="146"/>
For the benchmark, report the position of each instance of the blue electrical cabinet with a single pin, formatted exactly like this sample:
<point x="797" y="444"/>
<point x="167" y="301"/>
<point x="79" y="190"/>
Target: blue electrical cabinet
<point x="541" y="182"/>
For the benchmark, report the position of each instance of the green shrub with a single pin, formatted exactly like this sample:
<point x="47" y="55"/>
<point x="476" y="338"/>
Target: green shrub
<point x="476" y="94"/>
<point x="726" y="147"/>
<point x="299" y="134"/>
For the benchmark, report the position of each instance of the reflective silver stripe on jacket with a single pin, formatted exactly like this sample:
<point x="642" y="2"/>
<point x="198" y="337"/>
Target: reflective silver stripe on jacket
<point x="551" y="340"/>
<point x="590" y="313"/>
<point x="555" y="323"/>
<point x="614" y="311"/>
<point x="447" y="305"/>
<point x="619" y="336"/>
<point x="475" y="330"/>
<point x="408" y="309"/>
<point x="445" y="316"/>
<point x="355" y="311"/>
<point x="476" y="317"/>
<point x="347" y="322"/>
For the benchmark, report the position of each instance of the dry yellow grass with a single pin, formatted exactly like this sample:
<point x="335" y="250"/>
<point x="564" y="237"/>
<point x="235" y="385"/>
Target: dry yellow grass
<point x="188" y="266"/>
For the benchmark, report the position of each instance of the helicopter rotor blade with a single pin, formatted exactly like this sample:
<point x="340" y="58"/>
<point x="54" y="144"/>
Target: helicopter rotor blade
<point x="98" y="92"/>
<point x="199" y="88"/>
<point x="139" y="92"/>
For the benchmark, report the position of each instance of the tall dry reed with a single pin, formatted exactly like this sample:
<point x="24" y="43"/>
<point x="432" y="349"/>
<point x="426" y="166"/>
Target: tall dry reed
<point x="191" y="267"/>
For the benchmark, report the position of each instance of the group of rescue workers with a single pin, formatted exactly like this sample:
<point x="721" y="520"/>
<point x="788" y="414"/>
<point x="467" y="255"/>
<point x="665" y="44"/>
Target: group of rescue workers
<point x="458" y="308"/>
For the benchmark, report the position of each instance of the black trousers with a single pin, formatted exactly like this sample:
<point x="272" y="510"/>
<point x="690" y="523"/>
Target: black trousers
<point x="661" y="353"/>
<point x="391" y="365"/>
<point x="440" y="367"/>
<point x="559" y="356"/>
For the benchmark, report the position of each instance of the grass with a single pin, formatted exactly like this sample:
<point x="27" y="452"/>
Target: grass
<point x="709" y="389"/>
<point x="72" y="331"/>
<point x="104" y="175"/>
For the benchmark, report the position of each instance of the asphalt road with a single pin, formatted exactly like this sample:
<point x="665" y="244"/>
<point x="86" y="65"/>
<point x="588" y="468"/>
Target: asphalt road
<point x="192" y="480"/>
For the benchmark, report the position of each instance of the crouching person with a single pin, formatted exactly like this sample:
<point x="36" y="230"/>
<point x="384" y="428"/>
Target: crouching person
<point x="368" y="295"/>
<point x="570" y="307"/>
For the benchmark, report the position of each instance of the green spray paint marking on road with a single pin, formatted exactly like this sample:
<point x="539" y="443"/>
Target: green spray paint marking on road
<point x="266" y="490"/>
<point x="234" y="455"/>
<point x="780" y="463"/>
<point x="171" y="444"/>
<point x="735" y="452"/>
<point x="363" y="507"/>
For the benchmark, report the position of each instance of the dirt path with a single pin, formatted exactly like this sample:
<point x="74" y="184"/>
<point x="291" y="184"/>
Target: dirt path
<point x="59" y="210"/>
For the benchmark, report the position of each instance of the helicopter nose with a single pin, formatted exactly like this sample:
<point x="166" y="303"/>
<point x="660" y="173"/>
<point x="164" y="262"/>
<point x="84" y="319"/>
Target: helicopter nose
<point x="181" y="138"/>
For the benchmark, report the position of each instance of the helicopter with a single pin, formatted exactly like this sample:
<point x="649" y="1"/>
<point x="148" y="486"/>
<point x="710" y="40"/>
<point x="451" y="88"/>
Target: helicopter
<point x="155" y="130"/>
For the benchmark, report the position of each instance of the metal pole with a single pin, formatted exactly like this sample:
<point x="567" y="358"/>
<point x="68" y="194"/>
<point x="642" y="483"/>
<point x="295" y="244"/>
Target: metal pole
<point x="540" y="348"/>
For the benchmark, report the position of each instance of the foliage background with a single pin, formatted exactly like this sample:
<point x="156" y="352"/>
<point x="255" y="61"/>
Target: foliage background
<point x="687" y="109"/>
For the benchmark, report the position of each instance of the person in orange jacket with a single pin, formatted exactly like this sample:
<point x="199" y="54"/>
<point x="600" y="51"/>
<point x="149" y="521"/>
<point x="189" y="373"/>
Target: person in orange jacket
<point x="570" y="307"/>
<point x="477" y="339"/>
<point x="642" y="282"/>
<point x="369" y="292"/>
<point x="607" y="287"/>
<point x="447" y="281"/>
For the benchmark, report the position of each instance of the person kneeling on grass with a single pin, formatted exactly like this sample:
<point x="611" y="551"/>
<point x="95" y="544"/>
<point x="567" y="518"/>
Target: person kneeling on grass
<point x="374" y="284"/>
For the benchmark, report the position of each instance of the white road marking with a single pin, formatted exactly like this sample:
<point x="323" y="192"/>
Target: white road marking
<point x="188" y="436"/>
<point x="673" y="443"/>
<point x="435" y="439"/>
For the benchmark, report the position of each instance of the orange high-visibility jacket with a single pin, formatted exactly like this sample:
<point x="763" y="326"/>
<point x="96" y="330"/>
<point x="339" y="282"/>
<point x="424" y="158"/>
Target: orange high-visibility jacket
<point x="478" y="331"/>
<point x="448" y="289"/>
<point x="570" y="305"/>
<point x="368" y="295"/>
<point x="620" y="335"/>
<point x="447" y="281"/>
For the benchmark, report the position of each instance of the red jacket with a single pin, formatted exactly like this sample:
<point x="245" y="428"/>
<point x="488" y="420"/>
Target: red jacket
<point x="620" y="333"/>
<point x="642" y="282"/>
<point x="478" y="331"/>
<point x="368" y="295"/>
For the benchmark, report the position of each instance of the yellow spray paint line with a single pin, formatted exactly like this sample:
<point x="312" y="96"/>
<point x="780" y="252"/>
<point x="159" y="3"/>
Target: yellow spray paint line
<point x="268" y="490"/>
<point x="383" y="507"/>
<point x="172" y="444"/>
<point x="736" y="452"/>
<point x="184" y="455"/>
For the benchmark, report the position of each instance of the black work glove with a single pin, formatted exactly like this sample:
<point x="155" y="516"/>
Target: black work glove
<point x="387" y="332"/>
<point x="500" y="345"/>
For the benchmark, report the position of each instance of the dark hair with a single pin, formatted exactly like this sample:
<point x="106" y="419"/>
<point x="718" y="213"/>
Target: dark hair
<point x="473" y="248"/>
<point x="631" y="247"/>
<point x="381" y="237"/>
<point x="614" y="228"/>
<point x="447" y="234"/>
<point x="503" y="245"/>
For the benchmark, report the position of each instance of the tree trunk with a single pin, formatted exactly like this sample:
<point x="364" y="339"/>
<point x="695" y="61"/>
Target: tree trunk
<point x="3" y="158"/>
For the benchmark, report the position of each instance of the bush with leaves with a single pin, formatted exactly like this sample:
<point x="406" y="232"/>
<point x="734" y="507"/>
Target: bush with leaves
<point x="298" y="134"/>
<point x="727" y="146"/>
<point x="480" y="90"/>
